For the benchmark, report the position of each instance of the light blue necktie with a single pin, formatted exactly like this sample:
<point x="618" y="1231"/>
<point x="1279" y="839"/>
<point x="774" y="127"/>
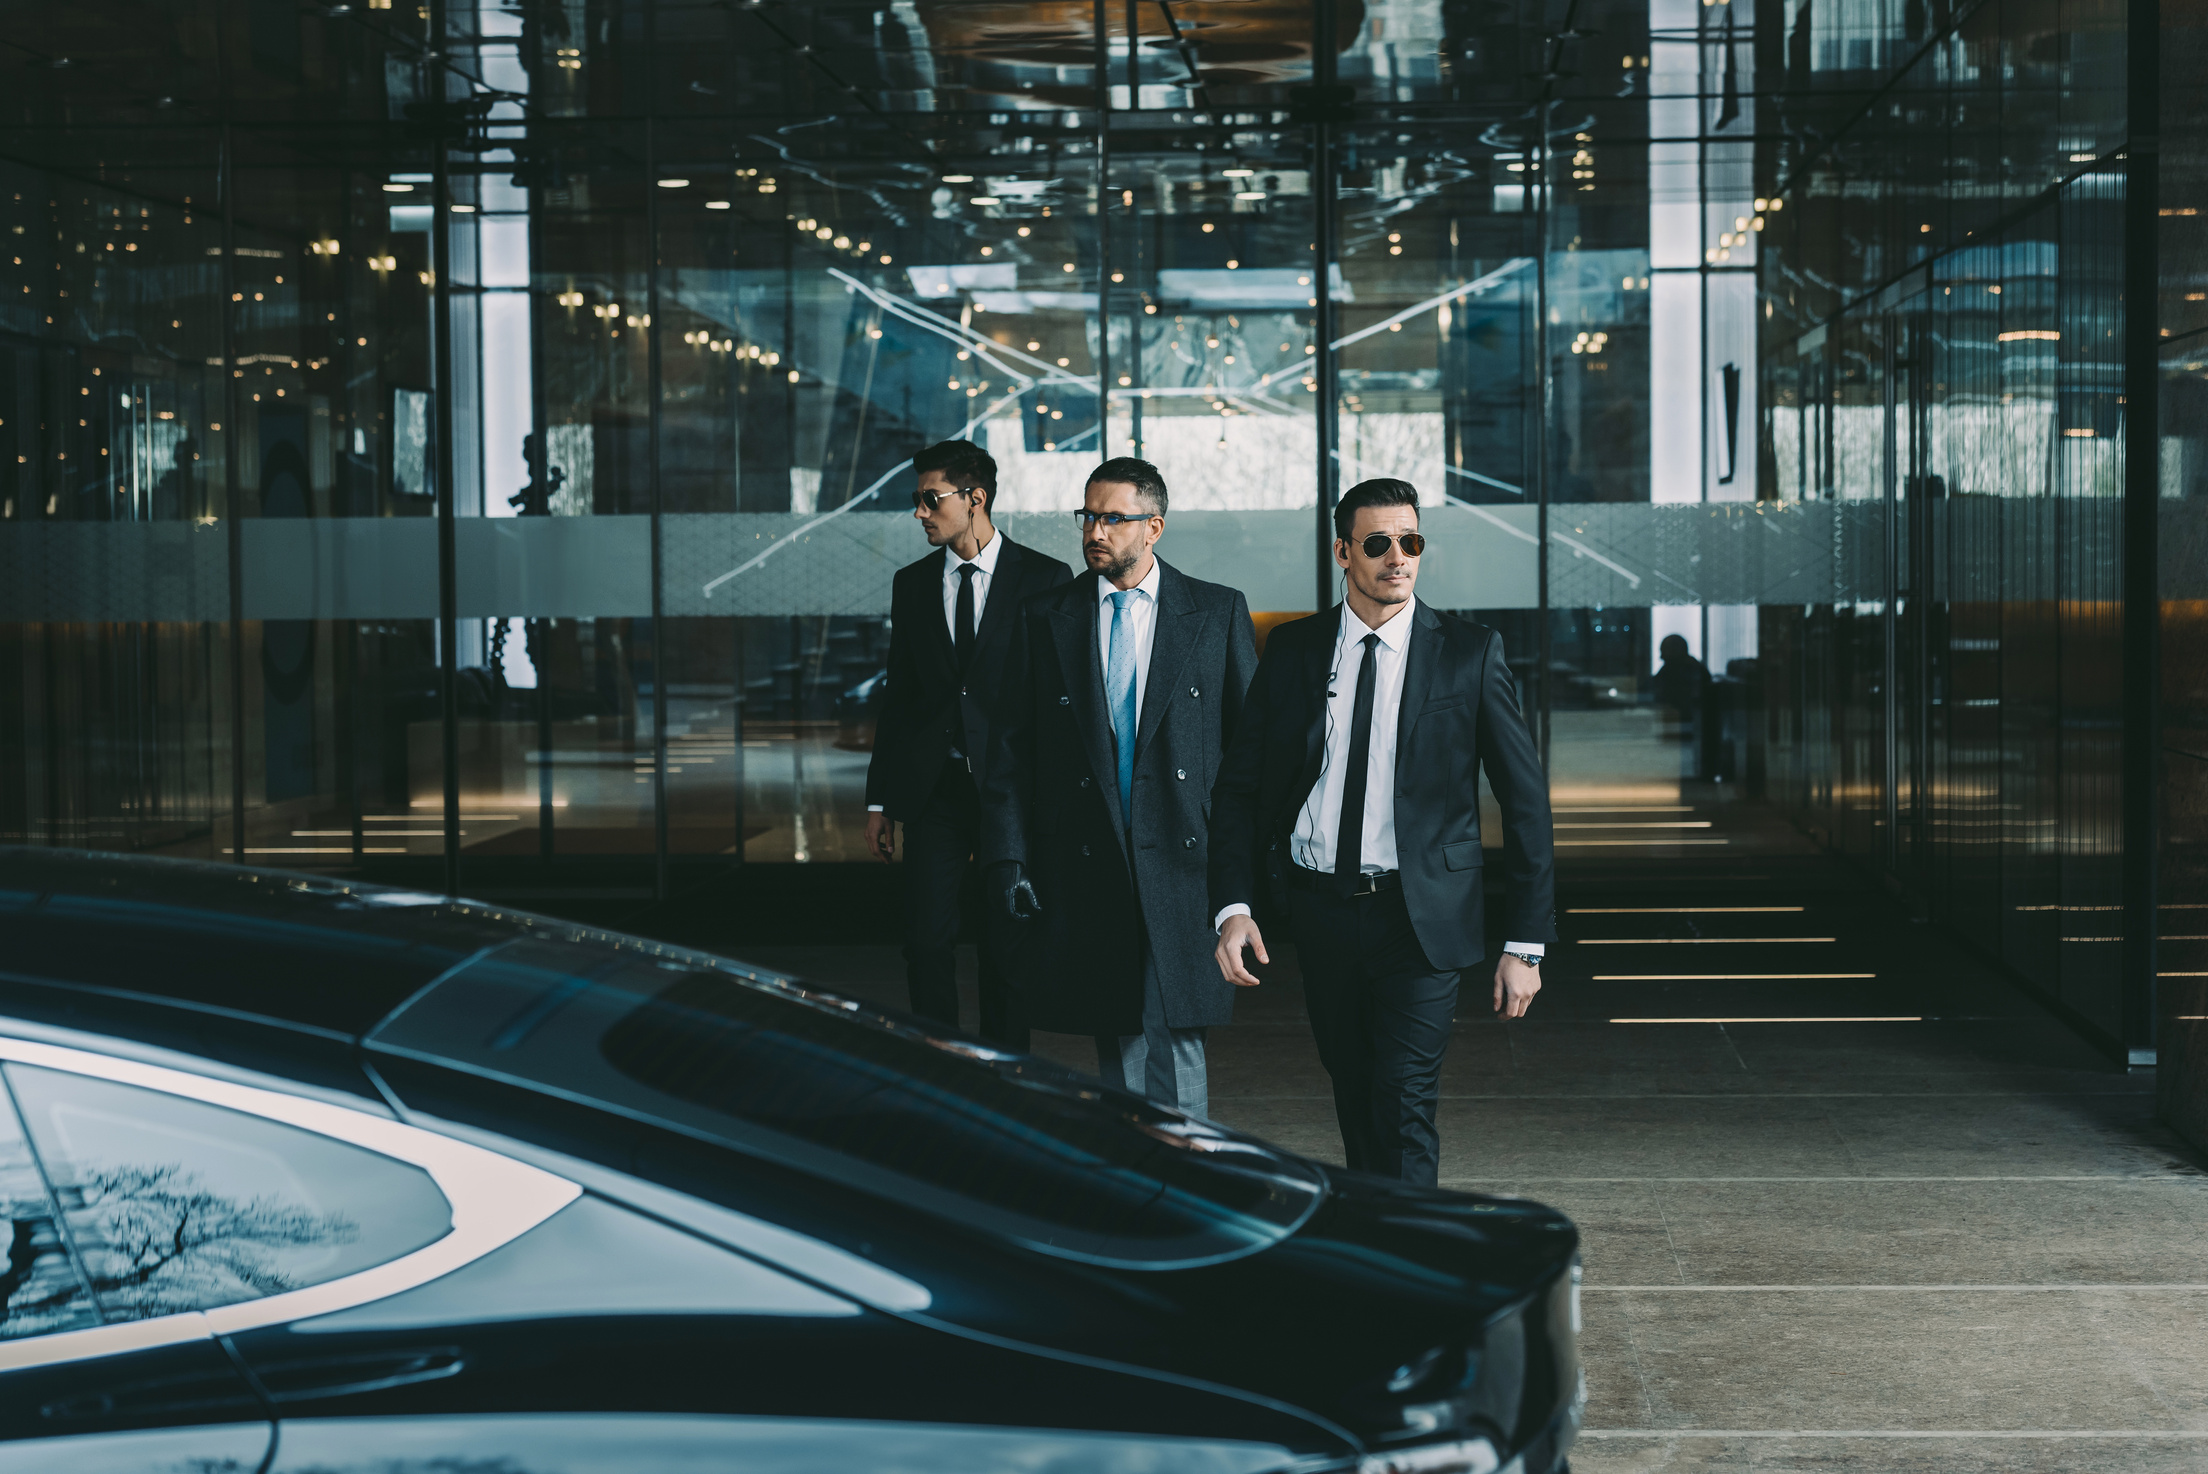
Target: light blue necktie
<point x="1119" y="693"/>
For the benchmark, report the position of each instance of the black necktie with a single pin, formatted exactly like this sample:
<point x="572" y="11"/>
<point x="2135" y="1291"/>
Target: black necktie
<point x="963" y="623"/>
<point x="1349" y="834"/>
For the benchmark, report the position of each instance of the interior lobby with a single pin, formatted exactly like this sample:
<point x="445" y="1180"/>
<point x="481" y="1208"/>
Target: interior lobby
<point x="468" y="448"/>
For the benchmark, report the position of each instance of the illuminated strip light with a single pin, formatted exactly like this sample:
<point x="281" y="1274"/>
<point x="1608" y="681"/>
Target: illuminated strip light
<point x="1719" y="977"/>
<point x="2182" y="974"/>
<point x="1629" y="809"/>
<point x="333" y="849"/>
<point x="1883" y="1019"/>
<point x="1667" y="910"/>
<point x="417" y="818"/>
<point x="1642" y="824"/>
<point x="1643" y="841"/>
<point x="1694" y="941"/>
<point x="2017" y="335"/>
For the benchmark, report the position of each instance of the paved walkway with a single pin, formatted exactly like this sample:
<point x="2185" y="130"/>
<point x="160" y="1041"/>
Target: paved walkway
<point x="1955" y="1241"/>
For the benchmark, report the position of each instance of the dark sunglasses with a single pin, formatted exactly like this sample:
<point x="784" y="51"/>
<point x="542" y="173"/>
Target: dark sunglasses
<point x="927" y="501"/>
<point x="1110" y="519"/>
<point x="1376" y="544"/>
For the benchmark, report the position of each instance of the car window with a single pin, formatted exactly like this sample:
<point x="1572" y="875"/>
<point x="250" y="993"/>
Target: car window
<point x="172" y="1204"/>
<point x="41" y="1289"/>
<point x="1014" y="1146"/>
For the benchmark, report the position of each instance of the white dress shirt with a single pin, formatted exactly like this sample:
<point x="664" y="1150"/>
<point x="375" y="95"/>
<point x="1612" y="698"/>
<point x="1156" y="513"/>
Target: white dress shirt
<point x="985" y="569"/>
<point x="1142" y="621"/>
<point x="1311" y="843"/>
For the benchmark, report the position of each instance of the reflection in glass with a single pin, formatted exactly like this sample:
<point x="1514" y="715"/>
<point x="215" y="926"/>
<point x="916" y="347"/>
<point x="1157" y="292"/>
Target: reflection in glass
<point x="42" y="1288"/>
<point x="173" y="1204"/>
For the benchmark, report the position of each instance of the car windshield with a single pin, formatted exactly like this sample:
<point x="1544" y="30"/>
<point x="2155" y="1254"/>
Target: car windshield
<point x="1016" y="1146"/>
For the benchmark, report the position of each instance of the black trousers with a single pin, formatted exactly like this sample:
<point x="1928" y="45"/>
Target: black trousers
<point x="941" y="883"/>
<point x="1380" y="1014"/>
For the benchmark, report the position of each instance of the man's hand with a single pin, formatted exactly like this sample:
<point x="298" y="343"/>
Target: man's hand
<point x="1239" y="932"/>
<point x="881" y="834"/>
<point x="1008" y="878"/>
<point x="1515" y="985"/>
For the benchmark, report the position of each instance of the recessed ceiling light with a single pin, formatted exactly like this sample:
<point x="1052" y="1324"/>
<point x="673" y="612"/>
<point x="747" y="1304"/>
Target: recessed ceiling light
<point x="716" y="204"/>
<point x="1237" y="173"/>
<point x="958" y="179"/>
<point x="674" y="184"/>
<point x="1250" y="194"/>
<point x="983" y="199"/>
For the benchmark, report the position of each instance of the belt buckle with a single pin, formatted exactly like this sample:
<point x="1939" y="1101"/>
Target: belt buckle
<point x="1368" y="884"/>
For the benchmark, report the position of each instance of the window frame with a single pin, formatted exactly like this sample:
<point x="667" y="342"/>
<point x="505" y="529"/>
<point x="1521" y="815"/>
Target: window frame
<point x="493" y="1198"/>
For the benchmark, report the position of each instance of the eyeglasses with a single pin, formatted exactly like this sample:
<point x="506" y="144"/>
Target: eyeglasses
<point x="1376" y="544"/>
<point x="1110" y="519"/>
<point x="927" y="501"/>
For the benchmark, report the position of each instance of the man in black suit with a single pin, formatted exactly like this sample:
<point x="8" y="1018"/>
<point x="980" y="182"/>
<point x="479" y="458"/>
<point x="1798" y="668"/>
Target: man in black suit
<point x="1353" y="787"/>
<point x="1122" y="692"/>
<point x="951" y="618"/>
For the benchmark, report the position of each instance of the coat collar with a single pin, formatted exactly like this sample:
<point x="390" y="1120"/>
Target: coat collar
<point x="1174" y="635"/>
<point x="1073" y="631"/>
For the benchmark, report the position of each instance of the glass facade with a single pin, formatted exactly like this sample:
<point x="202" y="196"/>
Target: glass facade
<point x="467" y="445"/>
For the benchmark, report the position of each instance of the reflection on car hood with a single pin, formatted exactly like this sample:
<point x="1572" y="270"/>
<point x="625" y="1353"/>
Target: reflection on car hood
<point x="1006" y="1145"/>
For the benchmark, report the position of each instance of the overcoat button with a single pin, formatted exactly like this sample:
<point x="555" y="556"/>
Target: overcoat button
<point x="1192" y="691"/>
<point x="1189" y="843"/>
<point x="1084" y="782"/>
<point x="1084" y="849"/>
<point x="1065" y="701"/>
<point x="1181" y="773"/>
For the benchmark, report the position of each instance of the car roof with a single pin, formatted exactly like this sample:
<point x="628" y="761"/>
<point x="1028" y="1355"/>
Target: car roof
<point x="306" y="951"/>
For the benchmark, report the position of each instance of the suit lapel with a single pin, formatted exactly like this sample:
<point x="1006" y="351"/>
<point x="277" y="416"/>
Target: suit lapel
<point x="1073" y="629"/>
<point x="1004" y="592"/>
<point x="1316" y="657"/>
<point x="931" y="614"/>
<point x="1174" y="635"/>
<point x="1421" y="661"/>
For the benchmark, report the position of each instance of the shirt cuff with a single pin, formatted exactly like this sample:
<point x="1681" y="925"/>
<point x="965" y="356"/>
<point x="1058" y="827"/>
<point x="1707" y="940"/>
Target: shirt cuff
<point x="1219" y="922"/>
<point x="1530" y="949"/>
<point x="874" y="808"/>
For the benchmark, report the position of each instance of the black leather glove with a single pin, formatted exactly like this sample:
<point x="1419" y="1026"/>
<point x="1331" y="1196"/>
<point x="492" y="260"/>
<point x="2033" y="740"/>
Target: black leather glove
<point x="1009" y="879"/>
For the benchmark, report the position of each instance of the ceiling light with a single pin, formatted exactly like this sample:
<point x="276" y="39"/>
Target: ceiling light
<point x="983" y="199"/>
<point x="1237" y="173"/>
<point x="716" y="204"/>
<point x="958" y="179"/>
<point x="674" y="184"/>
<point x="398" y="189"/>
<point x="1250" y="194"/>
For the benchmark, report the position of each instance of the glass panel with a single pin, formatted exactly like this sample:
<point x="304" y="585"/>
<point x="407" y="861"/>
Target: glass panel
<point x="174" y="1204"/>
<point x="43" y="1289"/>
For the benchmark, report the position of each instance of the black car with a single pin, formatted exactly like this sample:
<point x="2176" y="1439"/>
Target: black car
<point x="304" y="1175"/>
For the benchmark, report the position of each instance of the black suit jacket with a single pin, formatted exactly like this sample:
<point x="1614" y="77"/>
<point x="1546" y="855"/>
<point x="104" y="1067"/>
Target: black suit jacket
<point x="1052" y="803"/>
<point x="931" y="704"/>
<point x="1459" y="713"/>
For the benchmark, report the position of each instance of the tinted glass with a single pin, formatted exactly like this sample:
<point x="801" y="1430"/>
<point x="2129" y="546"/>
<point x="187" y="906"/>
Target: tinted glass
<point x="41" y="1290"/>
<point x="1016" y="1146"/>
<point x="178" y="1205"/>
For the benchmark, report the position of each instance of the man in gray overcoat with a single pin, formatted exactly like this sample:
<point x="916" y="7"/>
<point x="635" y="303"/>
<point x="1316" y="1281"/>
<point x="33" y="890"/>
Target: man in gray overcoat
<point x="1121" y="692"/>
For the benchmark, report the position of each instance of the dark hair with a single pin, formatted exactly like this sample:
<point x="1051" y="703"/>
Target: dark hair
<point x="1141" y="475"/>
<point x="1382" y="491"/>
<point x="964" y="464"/>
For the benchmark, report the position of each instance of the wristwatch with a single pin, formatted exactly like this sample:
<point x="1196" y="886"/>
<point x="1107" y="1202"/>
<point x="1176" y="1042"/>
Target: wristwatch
<point x="1528" y="958"/>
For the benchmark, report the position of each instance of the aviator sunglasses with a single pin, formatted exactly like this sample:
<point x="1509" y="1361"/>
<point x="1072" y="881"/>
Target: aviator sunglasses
<point x="927" y="501"/>
<point x="1089" y="519"/>
<point x="1376" y="544"/>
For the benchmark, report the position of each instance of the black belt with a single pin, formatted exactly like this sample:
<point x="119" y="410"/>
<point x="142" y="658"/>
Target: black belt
<point x="1368" y="883"/>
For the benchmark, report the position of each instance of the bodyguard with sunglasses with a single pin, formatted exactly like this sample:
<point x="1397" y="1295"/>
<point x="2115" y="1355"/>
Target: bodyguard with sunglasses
<point x="951" y="618"/>
<point x="1122" y="692"/>
<point x="1353" y="790"/>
